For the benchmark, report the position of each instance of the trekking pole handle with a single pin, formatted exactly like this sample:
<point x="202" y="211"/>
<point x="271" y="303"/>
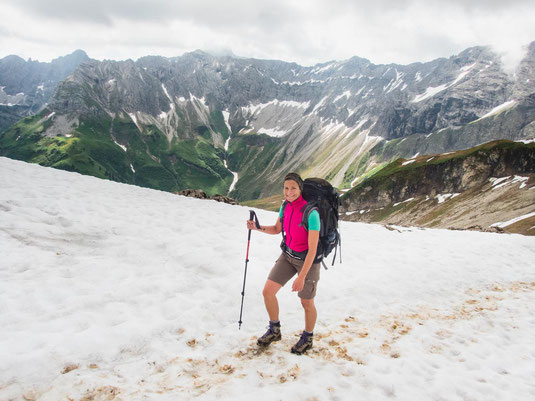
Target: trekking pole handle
<point x="252" y="215"/>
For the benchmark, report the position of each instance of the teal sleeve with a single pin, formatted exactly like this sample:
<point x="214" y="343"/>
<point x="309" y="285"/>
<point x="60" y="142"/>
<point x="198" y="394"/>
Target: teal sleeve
<point x="314" y="223"/>
<point x="280" y="213"/>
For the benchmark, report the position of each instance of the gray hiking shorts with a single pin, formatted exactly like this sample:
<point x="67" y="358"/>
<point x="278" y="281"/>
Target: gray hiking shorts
<point x="286" y="267"/>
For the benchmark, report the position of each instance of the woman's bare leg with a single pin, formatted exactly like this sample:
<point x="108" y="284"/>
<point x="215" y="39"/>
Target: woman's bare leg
<point x="270" y="299"/>
<point x="311" y="314"/>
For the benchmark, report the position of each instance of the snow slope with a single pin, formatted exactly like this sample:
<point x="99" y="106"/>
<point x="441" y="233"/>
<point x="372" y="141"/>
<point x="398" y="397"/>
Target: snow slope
<point x="110" y="291"/>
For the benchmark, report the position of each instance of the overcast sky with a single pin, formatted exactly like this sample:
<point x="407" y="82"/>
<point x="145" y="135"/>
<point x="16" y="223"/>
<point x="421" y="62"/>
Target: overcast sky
<point x="303" y="31"/>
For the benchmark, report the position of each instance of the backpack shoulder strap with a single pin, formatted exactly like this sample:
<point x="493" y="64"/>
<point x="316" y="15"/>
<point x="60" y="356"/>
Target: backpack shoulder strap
<point x="306" y="210"/>
<point x="283" y="207"/>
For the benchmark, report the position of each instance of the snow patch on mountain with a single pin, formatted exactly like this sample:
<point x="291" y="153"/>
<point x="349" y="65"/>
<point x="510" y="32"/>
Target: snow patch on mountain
<point x="166" y="93"/>
<point x="444" y="197"/>
<point x="319" y="104"/>
<point x="346" y="94"/>
<point x="498" y="183"/>
<point x="254" y="109"/>
<point x="394" y="83"/>
<point x="272" y="132"/>
<point x="513" y="221"/>
<point x="11" y="100"/>
<point x="235" y="174"/>
<point x="226" y="116"/>
<point x="432" y="91"/>
<point x="134" y="119"/>
<point x="498" y="109"/>
<point x="118" y="144"/>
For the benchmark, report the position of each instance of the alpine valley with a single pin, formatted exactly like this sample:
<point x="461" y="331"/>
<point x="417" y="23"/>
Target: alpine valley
<point x="236" y="126"/>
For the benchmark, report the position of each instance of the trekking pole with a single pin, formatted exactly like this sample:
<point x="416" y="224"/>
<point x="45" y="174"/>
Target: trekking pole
<point x="252" y="215"/>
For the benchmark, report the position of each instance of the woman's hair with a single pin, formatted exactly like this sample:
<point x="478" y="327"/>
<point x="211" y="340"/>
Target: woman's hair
<point x="295" y="177"/>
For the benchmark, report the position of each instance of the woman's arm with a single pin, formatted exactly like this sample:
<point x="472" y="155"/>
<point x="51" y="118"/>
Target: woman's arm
<point x="276" y="229"/>
<point x="313" y="239"/>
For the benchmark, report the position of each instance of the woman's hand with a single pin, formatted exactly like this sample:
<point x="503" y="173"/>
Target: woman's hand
<point x="298" y="284"/>
<point x="251" y="225"/>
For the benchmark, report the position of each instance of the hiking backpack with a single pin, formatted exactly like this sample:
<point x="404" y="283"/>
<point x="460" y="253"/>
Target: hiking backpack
<point x="321" y="196"/>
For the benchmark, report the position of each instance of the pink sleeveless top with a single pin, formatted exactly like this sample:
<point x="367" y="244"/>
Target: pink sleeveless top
<point x="296" y="235"/>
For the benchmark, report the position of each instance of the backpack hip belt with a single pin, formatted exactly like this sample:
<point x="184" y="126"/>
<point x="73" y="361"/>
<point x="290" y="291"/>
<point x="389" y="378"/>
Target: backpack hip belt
<point x="298" y="255"/>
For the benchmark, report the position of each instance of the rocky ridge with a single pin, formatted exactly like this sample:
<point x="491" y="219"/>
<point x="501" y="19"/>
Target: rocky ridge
<point x="485" y="188"/>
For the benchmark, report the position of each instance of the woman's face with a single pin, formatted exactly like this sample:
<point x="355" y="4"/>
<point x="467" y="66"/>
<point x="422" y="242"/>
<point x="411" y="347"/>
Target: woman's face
<point x="291" y="190"/>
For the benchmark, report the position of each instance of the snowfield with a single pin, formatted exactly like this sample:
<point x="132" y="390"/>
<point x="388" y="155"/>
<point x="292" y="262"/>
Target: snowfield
<point x="113" y="292"/>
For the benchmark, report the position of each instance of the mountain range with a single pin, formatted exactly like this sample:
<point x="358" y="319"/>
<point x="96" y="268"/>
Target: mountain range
<point x="236" y="126"/>
<point x="26" y="86"/>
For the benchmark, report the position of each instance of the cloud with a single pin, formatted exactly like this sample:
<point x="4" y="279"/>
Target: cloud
<point x="306" y="32"/>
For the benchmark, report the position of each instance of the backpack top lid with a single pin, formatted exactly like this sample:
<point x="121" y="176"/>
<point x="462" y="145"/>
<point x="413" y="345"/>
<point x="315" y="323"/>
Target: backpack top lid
<point x="321" y="191"/>
<point x="321" y="196"/>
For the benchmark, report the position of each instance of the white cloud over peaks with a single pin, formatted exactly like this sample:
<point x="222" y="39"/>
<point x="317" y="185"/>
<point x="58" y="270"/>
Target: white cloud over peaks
<point x="310" y="32"/>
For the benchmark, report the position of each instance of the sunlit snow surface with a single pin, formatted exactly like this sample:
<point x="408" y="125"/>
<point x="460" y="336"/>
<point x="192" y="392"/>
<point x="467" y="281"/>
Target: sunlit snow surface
<point x="110" y="291"/>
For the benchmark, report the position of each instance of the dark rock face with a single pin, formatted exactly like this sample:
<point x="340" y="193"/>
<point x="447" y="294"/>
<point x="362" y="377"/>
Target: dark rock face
<point x="488" y="188"/>
<point x="225" y="199"/>
<point x="193" y="193"/>
<point x="199" y="194"/>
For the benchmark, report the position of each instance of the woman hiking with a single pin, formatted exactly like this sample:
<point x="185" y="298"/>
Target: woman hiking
<point x="298" y="257"/>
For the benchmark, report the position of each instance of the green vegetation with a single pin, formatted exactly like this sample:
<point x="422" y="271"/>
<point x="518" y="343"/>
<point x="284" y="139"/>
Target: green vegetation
<point x="251" y="154"/>
<point x="272" y="203"/>
<point x="218" y="123"/>
<point x="90" y="149"/>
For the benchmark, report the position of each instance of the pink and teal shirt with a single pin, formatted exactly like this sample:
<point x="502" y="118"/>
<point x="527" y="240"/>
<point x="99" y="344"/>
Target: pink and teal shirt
<point x="296" y="234"/>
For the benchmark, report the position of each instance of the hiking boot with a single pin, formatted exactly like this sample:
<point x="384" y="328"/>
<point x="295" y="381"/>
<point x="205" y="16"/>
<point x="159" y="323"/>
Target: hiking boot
<point x="304" y="343"/>
<point x="273" y="334"/>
